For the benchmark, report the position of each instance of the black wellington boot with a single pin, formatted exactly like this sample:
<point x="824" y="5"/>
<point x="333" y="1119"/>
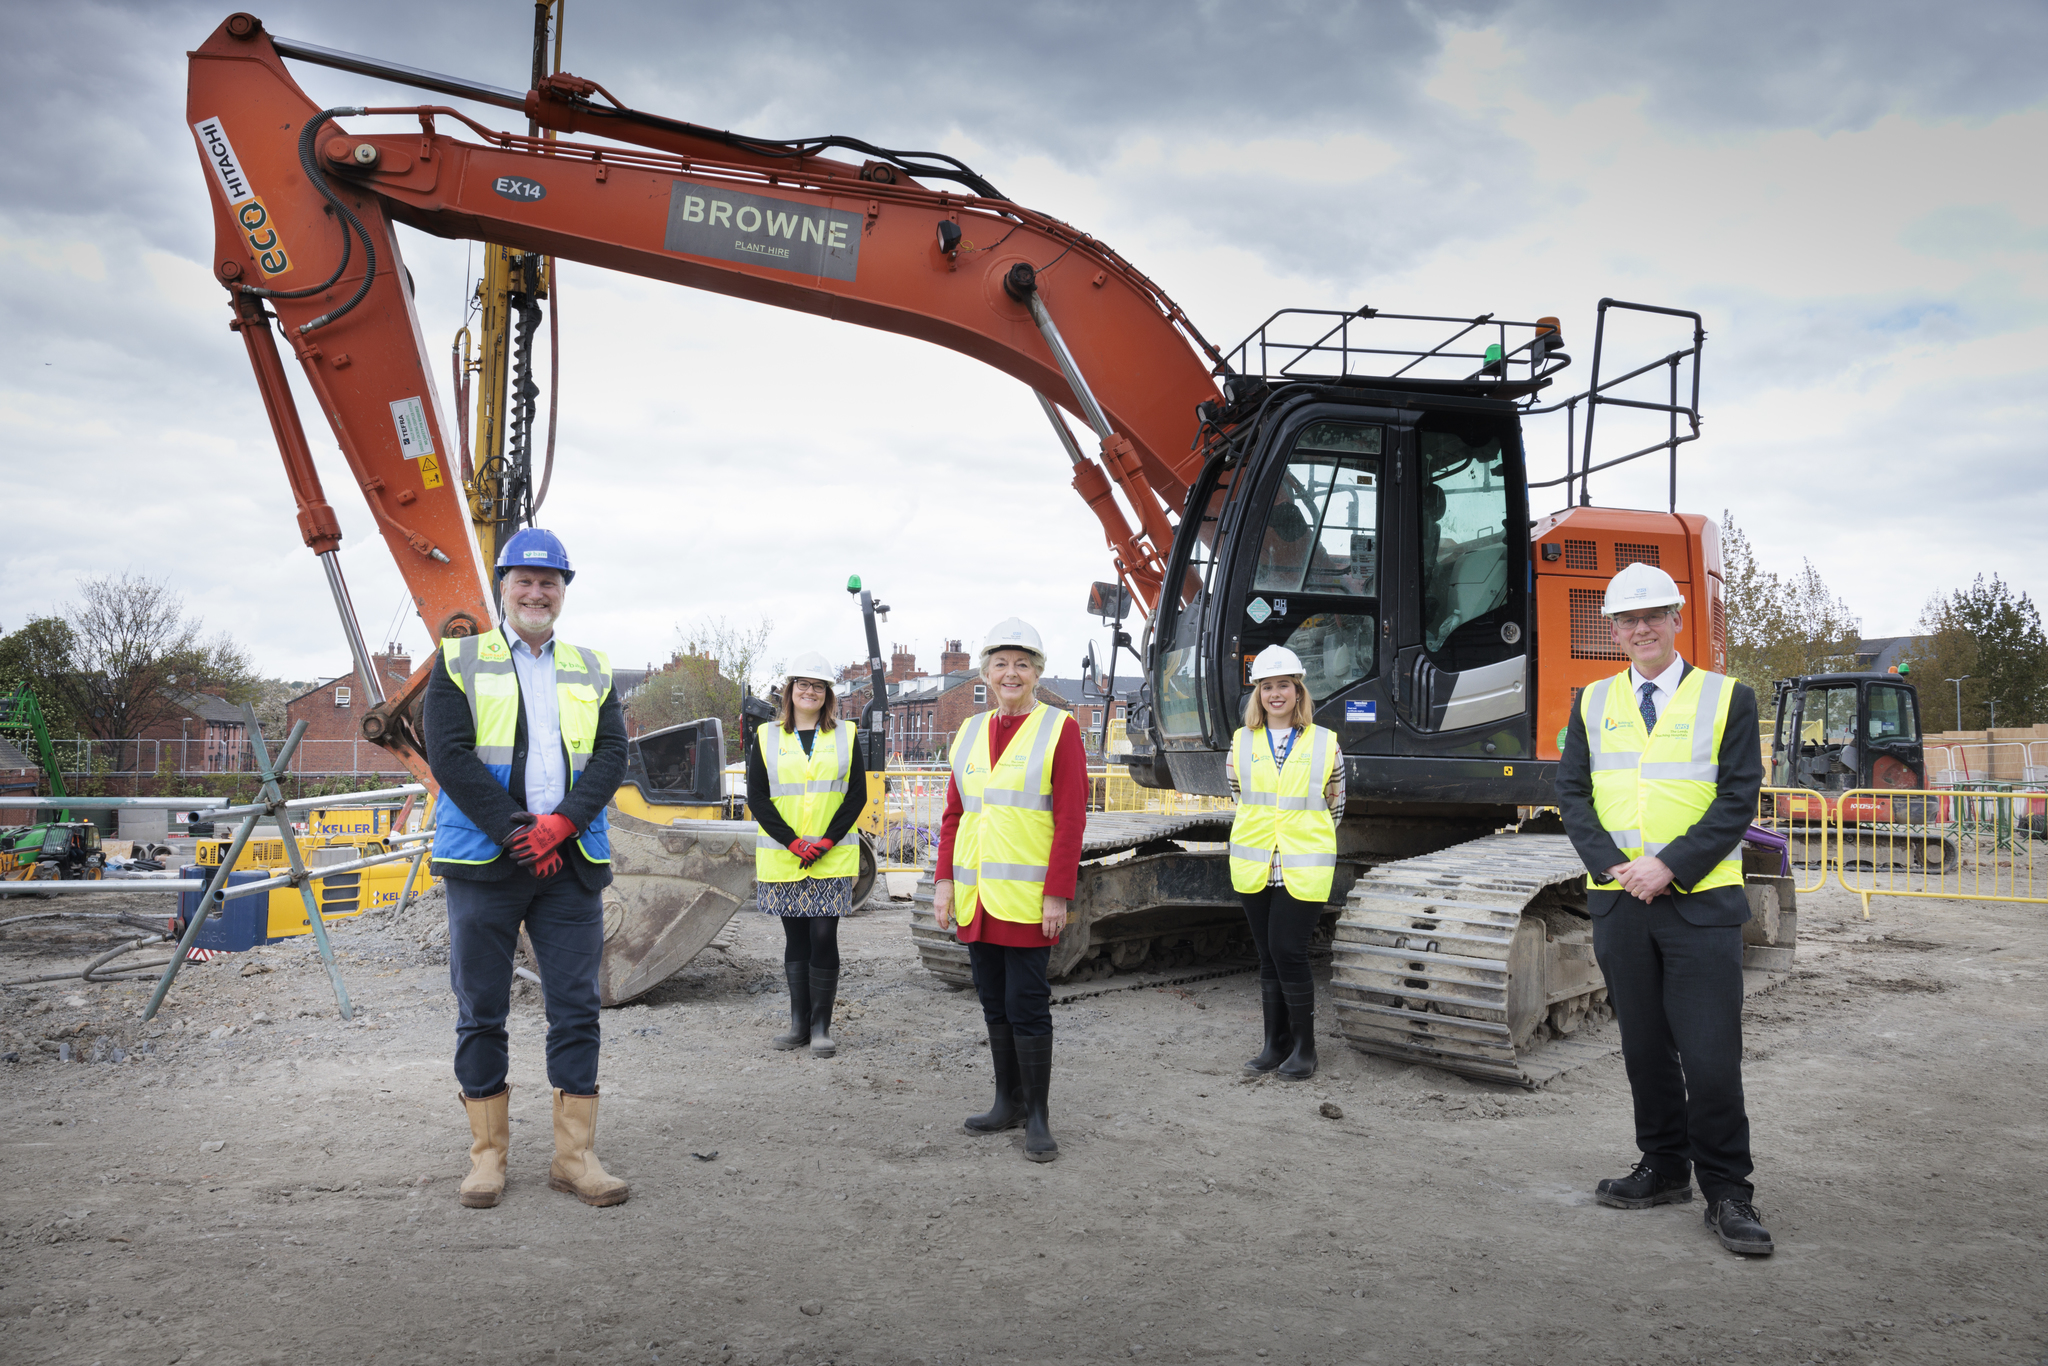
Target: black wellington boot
<point x="798" y="975"/>
<point x="824" y="988"/>
<point x="1301" y="1019"/>
<point x="1008" y="1111"/>
<point x="1279" y="1039"/>
<point x="1034" y="1062"/>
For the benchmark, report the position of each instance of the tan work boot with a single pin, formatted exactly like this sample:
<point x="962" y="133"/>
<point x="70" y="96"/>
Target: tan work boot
<point x="490" y="1128"/>
<point x="576" y="1168"/>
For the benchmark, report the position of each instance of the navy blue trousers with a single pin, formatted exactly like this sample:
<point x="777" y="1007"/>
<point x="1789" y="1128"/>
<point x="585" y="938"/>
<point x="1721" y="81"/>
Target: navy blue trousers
<point x="1676" y="989"/>
<point x="565" y="923"/>
<point x="1013" y="987"/>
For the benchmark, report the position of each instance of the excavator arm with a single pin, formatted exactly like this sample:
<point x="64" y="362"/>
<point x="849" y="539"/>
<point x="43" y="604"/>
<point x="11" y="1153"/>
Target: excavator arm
<point x="305" y="201"/>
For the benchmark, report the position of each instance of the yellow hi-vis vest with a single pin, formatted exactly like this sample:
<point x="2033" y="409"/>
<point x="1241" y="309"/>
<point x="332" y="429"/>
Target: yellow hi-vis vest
<point x="1647" y="793"/>
<point x="482" y="667"/>
<point x="1283" y="809"/>
<point x="806" y="790"/>
<point x="1004" y="844"/>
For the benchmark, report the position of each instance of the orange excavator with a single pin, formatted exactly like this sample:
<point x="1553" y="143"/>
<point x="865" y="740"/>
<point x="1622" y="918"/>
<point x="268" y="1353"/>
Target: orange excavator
<point x="1331" y="483"/>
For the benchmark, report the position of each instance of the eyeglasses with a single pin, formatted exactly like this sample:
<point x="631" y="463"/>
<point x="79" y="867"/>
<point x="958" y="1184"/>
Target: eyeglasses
<point x="1630" y="621"/>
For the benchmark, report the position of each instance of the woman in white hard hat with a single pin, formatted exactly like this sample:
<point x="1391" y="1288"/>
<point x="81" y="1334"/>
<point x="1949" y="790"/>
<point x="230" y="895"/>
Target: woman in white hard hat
<point x="1287" y="774"/>
<point x="805" y="788"/>
<point x="1009" y="852"/>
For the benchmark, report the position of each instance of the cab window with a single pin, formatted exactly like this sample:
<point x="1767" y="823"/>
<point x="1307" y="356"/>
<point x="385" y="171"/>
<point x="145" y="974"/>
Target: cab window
<point x="1465" y="506"/>
<point x="1891" y="714"/>
<point x="1322" y="530"/>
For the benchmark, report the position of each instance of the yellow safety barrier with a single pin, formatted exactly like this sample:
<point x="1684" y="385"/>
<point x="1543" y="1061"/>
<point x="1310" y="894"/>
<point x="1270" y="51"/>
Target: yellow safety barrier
<point x="1806" y="820"/>
<point x="1115" y="790"/>
<point x="1971" y="845"/>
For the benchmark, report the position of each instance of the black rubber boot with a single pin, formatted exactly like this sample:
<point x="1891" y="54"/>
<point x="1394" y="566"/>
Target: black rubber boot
<point x="1034" y="1062"/>
<point x="824" y="987"/>
<point x="1301" y="1021"/>
<point x="1279" y="1039"/>
<point x="798" y="975"/>
<point x="1008" y="1111"/>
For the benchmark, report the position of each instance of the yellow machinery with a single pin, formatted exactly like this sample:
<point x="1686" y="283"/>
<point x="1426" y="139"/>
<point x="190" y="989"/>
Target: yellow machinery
<point x="339" y="835"/>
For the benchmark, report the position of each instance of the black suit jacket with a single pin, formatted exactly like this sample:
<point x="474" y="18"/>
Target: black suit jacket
<point x="1692" y="855"/>
<point x="451" y="754"/>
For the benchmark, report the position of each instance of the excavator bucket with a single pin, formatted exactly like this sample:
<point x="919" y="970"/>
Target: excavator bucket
<point x="674" y="887"/>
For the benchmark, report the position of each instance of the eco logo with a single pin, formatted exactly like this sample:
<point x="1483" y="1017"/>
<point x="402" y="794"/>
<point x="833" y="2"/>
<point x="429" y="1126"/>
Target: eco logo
<point x="258" y="233"/>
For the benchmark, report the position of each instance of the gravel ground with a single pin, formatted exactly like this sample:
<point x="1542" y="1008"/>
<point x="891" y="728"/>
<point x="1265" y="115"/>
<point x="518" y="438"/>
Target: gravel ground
<point x="255" y="1180"/>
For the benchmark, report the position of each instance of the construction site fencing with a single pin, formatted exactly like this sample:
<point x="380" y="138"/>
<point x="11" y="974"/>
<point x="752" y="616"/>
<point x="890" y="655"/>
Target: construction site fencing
<point x="1969" y="845"/>
<point x="904" y="825"/>
<point x="1806" y="820"/>
<point x="85" y="761"/>
<point x="2003" y="761"/>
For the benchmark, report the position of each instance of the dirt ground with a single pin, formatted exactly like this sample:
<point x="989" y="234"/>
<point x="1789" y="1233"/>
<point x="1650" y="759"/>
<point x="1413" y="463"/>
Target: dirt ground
<point x="256" y="1181"/>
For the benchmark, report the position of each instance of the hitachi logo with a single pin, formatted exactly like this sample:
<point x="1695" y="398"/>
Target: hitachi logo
<point x="213" y="139"/>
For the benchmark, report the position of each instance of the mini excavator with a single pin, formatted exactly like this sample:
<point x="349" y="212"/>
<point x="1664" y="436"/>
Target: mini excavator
<point x="1350" y="483"/>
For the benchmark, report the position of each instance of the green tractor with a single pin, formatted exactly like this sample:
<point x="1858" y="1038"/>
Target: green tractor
<point x="59" y="850"/>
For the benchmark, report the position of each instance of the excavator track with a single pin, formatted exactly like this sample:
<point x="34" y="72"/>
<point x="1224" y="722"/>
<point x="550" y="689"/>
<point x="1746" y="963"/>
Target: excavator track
<point x="1467" y="958"/>
<point x="1142" y="901"/>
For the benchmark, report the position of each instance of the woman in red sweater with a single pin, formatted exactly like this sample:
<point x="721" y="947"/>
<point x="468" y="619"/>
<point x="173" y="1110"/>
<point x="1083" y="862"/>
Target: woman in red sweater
<point x="1009" y="851"/>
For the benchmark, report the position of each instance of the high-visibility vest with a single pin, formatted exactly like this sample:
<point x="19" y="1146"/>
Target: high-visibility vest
<point x="482" y="667"/>
<point x="806" y="790"/>
<point x="1003" y="846"/>
<point x="1647" y="791"/>
<point x="1281" y="808"/>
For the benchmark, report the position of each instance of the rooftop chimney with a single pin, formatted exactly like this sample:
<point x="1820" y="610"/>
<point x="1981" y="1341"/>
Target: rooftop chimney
<point x="954" y="659"/>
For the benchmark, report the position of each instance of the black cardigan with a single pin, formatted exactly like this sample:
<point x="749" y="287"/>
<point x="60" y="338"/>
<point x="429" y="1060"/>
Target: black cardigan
<point x="451" y="754"/>
<point x="762" y="807"/>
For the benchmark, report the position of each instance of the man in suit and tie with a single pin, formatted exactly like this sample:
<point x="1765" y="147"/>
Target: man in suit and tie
<point x="1658" y="783"/>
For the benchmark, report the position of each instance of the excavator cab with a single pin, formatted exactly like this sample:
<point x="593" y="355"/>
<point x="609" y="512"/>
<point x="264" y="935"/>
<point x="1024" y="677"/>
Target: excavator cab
<point x="1840" y="732"/>
<point x="1381" y="532"/>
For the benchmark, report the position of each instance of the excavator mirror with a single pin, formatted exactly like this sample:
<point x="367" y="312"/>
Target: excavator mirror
<point x="1109" y="601"/>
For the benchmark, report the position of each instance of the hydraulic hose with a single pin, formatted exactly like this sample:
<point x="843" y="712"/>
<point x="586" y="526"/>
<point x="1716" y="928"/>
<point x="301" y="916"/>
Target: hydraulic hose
<point x="310" y="163"/>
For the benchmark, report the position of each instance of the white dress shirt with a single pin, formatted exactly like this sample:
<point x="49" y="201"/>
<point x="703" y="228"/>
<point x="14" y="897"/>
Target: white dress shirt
<point x="547" y="769"/>
<point x="1665" y="686"/>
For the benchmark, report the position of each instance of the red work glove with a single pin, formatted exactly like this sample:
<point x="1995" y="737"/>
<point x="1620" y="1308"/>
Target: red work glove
<point x="801" y="847"/>
<point x="818" y="849"/>
<point x="533" y="845"/>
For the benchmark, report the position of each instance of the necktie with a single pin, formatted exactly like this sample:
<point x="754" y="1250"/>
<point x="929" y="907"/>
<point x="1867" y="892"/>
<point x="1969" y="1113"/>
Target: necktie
<point x="1649" y="708"/>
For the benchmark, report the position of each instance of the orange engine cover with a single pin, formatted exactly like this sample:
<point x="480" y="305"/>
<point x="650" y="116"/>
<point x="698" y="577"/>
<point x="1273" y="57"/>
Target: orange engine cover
<point x="1575" y="553"/>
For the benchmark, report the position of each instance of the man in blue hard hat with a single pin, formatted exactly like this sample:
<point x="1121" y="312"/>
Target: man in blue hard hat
<point x="528" y="742"/>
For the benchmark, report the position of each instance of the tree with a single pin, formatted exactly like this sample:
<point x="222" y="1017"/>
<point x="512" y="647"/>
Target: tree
<point x="1780" y="627"/>
<point x="130" y="643"/>
<point x="1992" y="640"/>
<point x="712" y="674"/>
<point x="35" y="657"/>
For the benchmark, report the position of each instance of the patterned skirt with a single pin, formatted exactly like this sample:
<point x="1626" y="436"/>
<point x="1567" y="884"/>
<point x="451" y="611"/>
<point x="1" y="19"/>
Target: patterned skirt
<point x="806" y="896"/>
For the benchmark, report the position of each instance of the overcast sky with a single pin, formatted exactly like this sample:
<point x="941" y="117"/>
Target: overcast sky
<point x="1850" y="193"/>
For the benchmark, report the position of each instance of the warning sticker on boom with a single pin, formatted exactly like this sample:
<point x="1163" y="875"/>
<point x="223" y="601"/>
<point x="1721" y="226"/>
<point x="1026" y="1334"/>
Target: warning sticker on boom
<point x="409" y="416"/>
<point x="430" y="472"/>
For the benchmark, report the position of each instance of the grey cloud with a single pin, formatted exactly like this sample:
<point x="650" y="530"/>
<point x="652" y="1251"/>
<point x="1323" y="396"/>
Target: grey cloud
<point x="1823" y="64"/>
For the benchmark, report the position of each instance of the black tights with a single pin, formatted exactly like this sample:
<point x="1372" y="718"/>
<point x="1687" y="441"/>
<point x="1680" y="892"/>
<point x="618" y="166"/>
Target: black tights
<point x="1281" y="929"/>
<point x="812" y="939"/>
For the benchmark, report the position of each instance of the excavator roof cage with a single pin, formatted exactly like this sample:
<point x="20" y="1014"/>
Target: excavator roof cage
<point x="1485" y="355"/>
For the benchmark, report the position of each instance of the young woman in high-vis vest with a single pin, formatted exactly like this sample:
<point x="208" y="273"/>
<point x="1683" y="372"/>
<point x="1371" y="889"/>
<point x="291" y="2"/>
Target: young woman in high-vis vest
<point x="1287" y="774"/>
<point x="805" y="789"/>
<point x="1009" y="853"/>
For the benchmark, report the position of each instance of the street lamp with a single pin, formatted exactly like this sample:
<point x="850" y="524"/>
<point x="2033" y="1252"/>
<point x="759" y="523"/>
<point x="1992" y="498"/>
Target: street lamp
<point x="1959" y="698"/>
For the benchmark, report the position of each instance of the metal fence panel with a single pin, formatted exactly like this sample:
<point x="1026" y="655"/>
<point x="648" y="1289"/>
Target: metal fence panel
<point x="1969" y="845"/>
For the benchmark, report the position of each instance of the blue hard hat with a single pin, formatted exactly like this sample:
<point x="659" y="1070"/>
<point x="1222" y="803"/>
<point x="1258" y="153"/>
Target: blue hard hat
<point x="533" y="548"/>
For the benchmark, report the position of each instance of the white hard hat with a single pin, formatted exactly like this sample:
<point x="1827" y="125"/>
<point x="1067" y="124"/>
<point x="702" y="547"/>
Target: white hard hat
<point x="1277" y="661"/>
<point x="1013" y="633"/>
<point x="1640" y="587"/>
<point x="813" y="665"/>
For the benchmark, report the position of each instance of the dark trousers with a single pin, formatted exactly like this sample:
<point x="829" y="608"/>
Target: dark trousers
<point x="565" y="923"/>
<point x="1676" y="989"/>
<point x="1013" y="987"/>
<point x="1281" y="928"/>
<point x="812" y="939"/>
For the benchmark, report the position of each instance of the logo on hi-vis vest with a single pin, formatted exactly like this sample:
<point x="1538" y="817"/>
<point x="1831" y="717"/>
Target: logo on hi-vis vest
<point x="1678" y="728"/>
<point x="1623" y="724"/>
<point x="258" y="233"/>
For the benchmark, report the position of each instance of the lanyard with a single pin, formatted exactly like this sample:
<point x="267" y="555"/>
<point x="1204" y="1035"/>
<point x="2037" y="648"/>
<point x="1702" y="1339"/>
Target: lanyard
<point x="1280" y="754"/>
